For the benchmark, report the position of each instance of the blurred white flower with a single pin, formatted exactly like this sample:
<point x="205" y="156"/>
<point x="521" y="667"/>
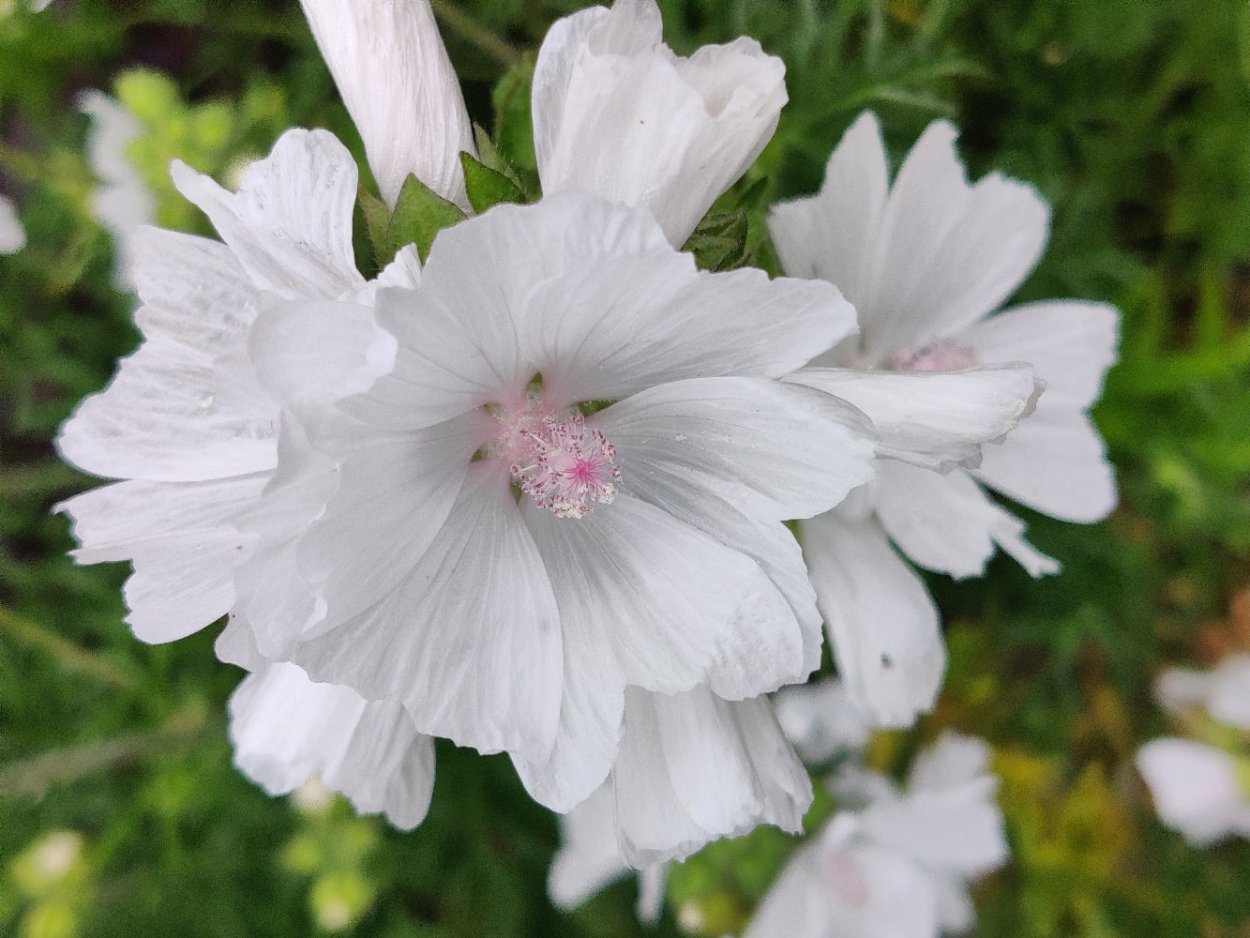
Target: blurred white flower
<point x="287" y="730"/>
<point x="12" y="234"/>
<point x="1202" y="789"/>
<point x="398" y="84"/>
<point x="821" y="720"/>
<point x="122" y="203"/>
<point x="898" y="866"/>
<point x="925" y="262"/>
<point x="618" y="114"/>
<point x="580" y="550"/>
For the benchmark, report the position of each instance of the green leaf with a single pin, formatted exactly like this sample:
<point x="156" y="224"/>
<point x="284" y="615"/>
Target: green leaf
<point x="420" y="214"/>
<point x="377" y="224"/>
<point x="486" y="187"/>
<point x="720" y="241"/>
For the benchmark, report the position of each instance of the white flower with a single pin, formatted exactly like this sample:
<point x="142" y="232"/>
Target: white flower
<point x="821" y="719"/>
<point x="122" y="203"/>
<point x="1224" y="691"/>
<point x="185" y="423"/>
<point x="287" y="730"/>
<point x="925" y="262"/>
<point x="646" y="548"/>
<point x="616" y="113"/>
<point x="12" y="234"/>
<point x="1200" y="789"/>
<point x="398" y="84"/>
<point x="897" y="867"/>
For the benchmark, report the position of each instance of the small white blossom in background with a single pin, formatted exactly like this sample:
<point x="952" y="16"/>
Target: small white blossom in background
<point x="894" y="864"/>
<point x="12" y="234"/>
<point x="1201" y="786"/>
<point x="122" y="203"/>
<point x="925" y="262"/>
<point x="821" y="720"/>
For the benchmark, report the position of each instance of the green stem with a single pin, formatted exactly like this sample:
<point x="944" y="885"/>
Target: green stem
<point x="476" y="34"/>
<point x="66" y="653"/>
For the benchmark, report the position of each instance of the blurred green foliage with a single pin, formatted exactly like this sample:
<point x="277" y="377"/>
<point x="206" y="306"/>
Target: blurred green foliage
<point x="120" y="813"/>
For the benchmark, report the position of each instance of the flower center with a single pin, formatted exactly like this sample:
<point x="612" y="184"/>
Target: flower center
<point x="559" y="462"/>
<point x="942" y="355"/>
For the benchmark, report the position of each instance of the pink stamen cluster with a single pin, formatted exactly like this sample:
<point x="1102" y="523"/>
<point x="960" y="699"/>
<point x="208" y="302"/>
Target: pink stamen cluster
<point x="942" y="355"/>
<point x="565" y="466"/>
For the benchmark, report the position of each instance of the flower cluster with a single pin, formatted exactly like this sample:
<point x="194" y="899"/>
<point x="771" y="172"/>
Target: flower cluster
<point x="536" y="490"/>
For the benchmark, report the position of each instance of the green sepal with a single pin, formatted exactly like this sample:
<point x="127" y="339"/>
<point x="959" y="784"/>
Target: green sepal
<point x="490" y="156"/>
<point x="514" y="126"/>
<point x="720" y="241"/>
<point x="377" y="225"/>
<point x="420" y="214"/>
<point x="485" y="186"/>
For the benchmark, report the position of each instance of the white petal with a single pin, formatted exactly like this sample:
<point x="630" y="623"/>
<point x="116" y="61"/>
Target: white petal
<point x="12" y="234"/>
<point x="950" y="762"/>
<point x="956" y="913"/>
<point x="394" y="75"/>
<point x="1069" y="343"/>
<point x="310" y="354"/>
<point x="821" y="720"/>
<point x="831" y="236"/>
<point x="1196" y="789"/>
<point x="469" y="640"/>
<point x="588" y="859"/>
<point x="290" y="223"/>
<point x="1055" y="463"/>
<point x="932" y="419"/>
<point x="179" y="536"/>
<point x="286" y="730"/>
<point x="880" y="619"/>
<point x="947" y="523"/>
<point x="947" y="253"/>
<point x="173" y="411"/>
<point x="734" y="457"/>
<point x="693" y="768"/>
<point x="625" y="325"/>
<point x="123" y="202"/>
<point x="787" y="452"/>
<point x="394" y="494"/>
<point x="673" y="607"/>
<point x="618" y="115"/>
<point x="1224" y="691"/>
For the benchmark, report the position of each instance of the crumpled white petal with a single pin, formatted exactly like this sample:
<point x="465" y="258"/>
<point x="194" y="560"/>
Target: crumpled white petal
<point x="936" y="420"/>
<point x="1224" y="691"/>
<point x="881" y="622"/>
<point x="398" y="84"/>
<point x="947" y="523"/>
<point x="617" y="114"/>
<point x="693" y="768"/>
<point x="12" y="234"/>
<point x="1196" y="788"/>
<point x="286" y="730"/>
<point x="1055" y="460"/>
<point x="290" y="224"/>
<point x="122" y="203"/>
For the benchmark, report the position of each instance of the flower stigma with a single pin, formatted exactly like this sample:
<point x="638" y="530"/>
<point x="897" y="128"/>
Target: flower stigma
<point x="555" y="459"/>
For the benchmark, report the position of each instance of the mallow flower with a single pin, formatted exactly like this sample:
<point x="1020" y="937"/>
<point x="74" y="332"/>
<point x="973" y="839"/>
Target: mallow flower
<point x="1200" y="785"/>
<point x="925" y="262"/>
<point x="894" y="864"/>
<point x="578" y="451"/>
<point x="193" y="438"/>
<point x="617" y="113"/>
<point x="12" y="234"/>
